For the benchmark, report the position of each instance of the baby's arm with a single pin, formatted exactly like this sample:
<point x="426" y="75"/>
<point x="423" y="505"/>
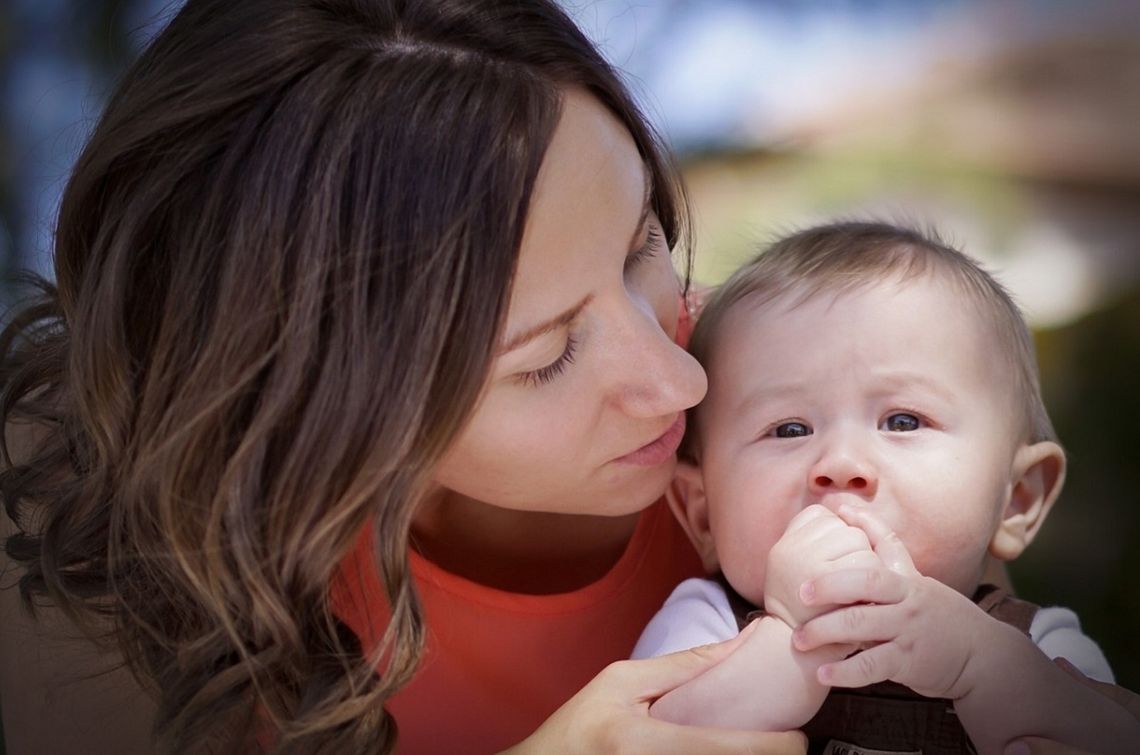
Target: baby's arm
<point x="763" y="685"/>
<point x="766" y="684"/>
<point x="936" y="641"/>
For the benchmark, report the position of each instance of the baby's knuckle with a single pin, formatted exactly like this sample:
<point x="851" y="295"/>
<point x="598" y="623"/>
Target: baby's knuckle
<point x="865" y="664"/>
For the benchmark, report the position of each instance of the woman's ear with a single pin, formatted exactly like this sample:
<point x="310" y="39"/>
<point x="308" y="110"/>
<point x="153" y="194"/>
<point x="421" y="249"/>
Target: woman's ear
<point x="1035" y="482"/>
<point x="686" y="497"/>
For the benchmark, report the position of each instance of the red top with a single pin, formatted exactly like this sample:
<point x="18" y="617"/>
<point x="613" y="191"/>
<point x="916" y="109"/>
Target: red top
<point x="497" y="664"/>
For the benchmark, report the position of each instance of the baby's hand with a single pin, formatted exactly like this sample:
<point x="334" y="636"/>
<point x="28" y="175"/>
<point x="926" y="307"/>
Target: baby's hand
<point x="816" y="542"/>
<point x="918" y="631"/>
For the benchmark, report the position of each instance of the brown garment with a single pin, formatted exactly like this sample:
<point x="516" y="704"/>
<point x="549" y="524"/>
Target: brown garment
<point x="890" y="717"/>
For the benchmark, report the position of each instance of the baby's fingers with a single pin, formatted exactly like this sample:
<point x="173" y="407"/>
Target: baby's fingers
<point x="807" y="515"/>
<point x="886" y="544"/>
<point x="859" y="625"/>
<point x="873" y="665"/>
<point x="847" y="586"/>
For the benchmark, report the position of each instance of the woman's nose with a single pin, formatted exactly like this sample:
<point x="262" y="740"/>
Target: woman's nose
<point x="655" y="376"/>
<point x="843" y="468"/>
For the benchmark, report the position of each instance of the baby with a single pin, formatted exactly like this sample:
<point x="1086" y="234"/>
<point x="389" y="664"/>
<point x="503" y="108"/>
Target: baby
<point x="873" y="439"/>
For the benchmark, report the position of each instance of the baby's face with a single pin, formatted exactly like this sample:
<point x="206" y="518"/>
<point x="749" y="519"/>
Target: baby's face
<point x="890" y="397"/>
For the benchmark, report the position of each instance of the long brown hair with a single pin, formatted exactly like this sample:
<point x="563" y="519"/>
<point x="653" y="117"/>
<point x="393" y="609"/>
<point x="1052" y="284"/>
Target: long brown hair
<point x="282" y="262"/>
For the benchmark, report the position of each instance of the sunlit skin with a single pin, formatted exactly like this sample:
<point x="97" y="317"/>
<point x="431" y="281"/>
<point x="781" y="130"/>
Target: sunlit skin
<point x="604" y="378"/>
<point x="862" y="454"/>
<point x="900" y="404"/>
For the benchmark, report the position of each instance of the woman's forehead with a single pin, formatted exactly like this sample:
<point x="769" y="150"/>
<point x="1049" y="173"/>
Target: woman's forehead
<point x="588" y="204"/>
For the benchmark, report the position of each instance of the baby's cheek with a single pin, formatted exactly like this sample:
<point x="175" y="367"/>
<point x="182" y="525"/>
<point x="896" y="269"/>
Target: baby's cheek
<point x="746" y="569"/>
<point x="954" y="561"/>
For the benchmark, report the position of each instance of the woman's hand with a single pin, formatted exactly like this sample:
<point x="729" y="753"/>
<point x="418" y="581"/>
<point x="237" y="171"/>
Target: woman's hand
<point x="611" y="713"/>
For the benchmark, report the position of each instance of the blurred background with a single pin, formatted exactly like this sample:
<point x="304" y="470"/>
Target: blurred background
<point x="1011" y="126"/>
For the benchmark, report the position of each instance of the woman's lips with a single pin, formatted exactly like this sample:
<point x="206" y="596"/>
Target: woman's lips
<point x="660" y="450"/>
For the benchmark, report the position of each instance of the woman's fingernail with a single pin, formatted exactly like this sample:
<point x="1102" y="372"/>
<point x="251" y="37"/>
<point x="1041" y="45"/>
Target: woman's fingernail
<point x="1017" y="747"/>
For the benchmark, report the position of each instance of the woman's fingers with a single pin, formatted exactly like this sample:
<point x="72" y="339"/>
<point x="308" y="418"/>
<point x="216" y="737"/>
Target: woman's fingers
<point x="652" y="736"/>
<point x="649" y="679"/>
<point x="611" y="713"/>
<point x="1039" y="746"/>
<point x="886" y="544"/>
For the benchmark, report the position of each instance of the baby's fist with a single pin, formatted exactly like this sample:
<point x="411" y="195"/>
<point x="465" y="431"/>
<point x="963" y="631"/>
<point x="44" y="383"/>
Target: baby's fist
<point x="815" y="542"/>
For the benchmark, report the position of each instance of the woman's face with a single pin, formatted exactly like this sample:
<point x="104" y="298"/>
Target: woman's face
<point x="585" y="403"/>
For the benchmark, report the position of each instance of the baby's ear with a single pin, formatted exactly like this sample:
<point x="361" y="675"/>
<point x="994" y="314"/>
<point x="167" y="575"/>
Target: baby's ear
<point x="1035" y="482"/>
<point x="686" y="497"/>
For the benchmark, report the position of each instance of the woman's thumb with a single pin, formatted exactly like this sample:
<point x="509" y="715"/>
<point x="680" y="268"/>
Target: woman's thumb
<point x="656" y="676"/>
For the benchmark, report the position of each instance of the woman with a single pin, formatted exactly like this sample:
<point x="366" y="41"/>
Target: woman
<point x="336" y="278"/>
<point x="364" y="316"/>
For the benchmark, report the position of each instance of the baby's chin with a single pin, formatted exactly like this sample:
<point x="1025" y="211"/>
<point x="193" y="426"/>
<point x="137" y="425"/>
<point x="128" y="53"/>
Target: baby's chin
<point x="751" y="593"/>
<point x="966" y="584"/>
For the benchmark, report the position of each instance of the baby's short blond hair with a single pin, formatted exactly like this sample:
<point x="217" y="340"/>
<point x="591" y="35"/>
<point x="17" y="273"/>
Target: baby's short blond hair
<point x="846" y="256"/>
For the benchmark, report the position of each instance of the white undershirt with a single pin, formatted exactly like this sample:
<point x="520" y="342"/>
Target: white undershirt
<point x="698" y="613"/>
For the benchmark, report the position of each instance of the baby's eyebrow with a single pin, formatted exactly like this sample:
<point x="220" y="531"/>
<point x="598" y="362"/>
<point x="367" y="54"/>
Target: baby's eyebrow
<point x="554" y="323"/>
<point x="900" y="380"/>
<point x="766" y="393"/>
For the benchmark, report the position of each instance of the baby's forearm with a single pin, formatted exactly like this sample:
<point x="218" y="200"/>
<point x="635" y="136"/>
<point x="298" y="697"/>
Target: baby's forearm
<point x="1016" y="691"/>
<point x="764" y="685"/>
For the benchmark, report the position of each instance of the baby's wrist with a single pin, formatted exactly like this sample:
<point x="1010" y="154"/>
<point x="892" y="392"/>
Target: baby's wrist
<point x="778" y="609"/>
<point x="781" y="601"/>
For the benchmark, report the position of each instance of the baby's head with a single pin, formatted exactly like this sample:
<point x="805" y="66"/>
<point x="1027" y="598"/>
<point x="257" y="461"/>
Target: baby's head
<point x="866" y="363"/>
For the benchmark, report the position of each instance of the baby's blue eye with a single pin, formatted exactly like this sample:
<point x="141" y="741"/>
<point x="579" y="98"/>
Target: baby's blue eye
<point x="792" y="430"/>
<point x="901" y="423"/>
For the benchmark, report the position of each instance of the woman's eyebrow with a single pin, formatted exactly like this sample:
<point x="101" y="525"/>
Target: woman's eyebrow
<point x="554" y="323"/>
<point x="563" y="319"/>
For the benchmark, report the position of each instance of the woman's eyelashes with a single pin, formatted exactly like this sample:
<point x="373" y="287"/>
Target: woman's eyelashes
<point x="544" y="375"/>
<point x="654" y="239"/>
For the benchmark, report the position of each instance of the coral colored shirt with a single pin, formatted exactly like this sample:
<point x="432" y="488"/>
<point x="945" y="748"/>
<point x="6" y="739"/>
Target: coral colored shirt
<point x="498" y="664"/>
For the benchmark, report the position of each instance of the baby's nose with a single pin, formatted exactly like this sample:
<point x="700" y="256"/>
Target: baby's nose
<point x="843" y="472"/>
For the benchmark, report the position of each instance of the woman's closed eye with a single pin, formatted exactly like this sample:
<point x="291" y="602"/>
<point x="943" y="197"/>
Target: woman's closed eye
<point x="544" y="375"/>
<point x="654" y="241"/>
